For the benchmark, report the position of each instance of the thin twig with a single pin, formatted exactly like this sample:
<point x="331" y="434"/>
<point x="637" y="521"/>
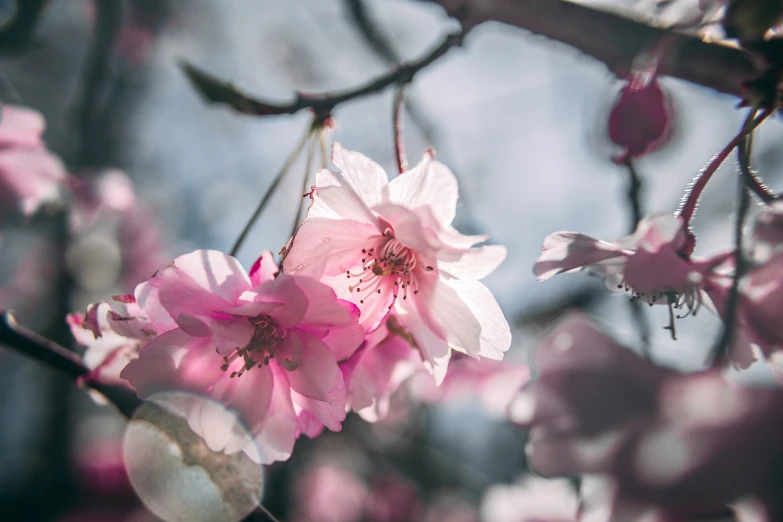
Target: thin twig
<point x="262" y="204"/>
<point x="305" y="179"/>
<point x="217" y="91"/>
<point x="634" y="195"/>
<point x="399" y="141"/>
<point x="721" y="349"/>
<point x="690" y="199"/>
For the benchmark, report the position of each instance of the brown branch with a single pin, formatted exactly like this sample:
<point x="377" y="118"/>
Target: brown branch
<point x="613" y="39"/>
<point x="63" y="360"/>
<point x="217" y="91"/>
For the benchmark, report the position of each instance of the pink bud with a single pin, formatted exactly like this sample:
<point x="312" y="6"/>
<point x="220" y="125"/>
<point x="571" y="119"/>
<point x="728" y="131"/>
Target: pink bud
<point x="640" y="121"/>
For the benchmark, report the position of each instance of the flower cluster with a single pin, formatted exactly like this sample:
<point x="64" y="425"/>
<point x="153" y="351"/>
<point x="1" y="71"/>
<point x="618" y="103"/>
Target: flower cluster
<point x="375" y="286"/>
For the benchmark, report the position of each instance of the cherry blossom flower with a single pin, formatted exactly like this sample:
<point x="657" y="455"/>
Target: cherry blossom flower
<point x="389" y="247"/>
<point x="29" y="174"/>
<point x="671" y="443"/>
<point x="263" y="347"/>
<point x="649" y="264"/>
<point x="113" y="335"/>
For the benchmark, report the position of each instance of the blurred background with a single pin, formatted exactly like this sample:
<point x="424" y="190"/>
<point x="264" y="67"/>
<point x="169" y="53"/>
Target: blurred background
<point x="520" y="119"/>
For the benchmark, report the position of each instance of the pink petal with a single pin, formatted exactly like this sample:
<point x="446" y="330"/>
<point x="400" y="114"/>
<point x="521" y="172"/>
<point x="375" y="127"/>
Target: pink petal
<point x="277" y="435"/>
<point x="324" y="310"/>
<point x="248" y="395"/>
<point x="284" y="289"/>
<point x="316" y="374"/>
<point x="174" y="361"/>
<point x="344" y="340"/>
<point x="430" y="183"/>
<point x="327" y="246"/>
<point x="565" y="251"/>
<point x="409" y="229"/>
<point x="361" y="174"/>
<point x="314" y="414"/>
<point x="264" y="269"/>
<point x="220" y="274"/>
<point x="379" y="371"/>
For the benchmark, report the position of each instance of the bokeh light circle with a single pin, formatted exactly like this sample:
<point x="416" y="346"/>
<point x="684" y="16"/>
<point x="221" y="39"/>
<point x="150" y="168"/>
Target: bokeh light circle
<point x="175" y="473"/>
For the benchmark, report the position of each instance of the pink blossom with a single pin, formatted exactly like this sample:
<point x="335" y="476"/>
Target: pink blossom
<point x="389" y="247"/>
<point x="113" y="335"/>
<point x="675" y="445"/>
<point x="29" y="174"/>
<point x="650" y="264"/>
<point x="266" y="348"/>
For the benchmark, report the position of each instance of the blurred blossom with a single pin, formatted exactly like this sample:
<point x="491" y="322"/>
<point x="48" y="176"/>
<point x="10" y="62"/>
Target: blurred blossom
<point x="759" y="331"/>
<point x="29" y="174"/>
<point x="676" y="445"/>
<point x="649" y="264"/>
<point x="531" y="499"/>
<point x="327" y="493"/>
<point x="392" y="499"/>
<point x="116" y="235"/>
<point x="389" y="247"/>
<point x="264" y="347"/>
<point x="495" y="383"/>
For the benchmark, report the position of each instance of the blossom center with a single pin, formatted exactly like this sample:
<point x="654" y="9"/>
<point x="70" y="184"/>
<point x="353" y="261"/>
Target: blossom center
<point x="259" y="351"/>
<point x="385" y="260"/>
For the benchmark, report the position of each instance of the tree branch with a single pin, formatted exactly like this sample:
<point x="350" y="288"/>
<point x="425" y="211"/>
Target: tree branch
<point x="217" y="91"/>
<point x="63" y="360"/>
<point x="613" y="39"/>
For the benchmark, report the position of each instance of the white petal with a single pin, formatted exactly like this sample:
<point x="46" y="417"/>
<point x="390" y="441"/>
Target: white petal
<point x="471" y="318"/>
<point x="430" y="183"/>
<point x="476" y="263"/>
<point x="360" y="174"/>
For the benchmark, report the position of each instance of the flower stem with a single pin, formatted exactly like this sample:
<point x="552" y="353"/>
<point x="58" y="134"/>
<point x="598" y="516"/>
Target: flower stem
<point x="691" y="198"/>
<point x="399" y="141"/>
<point x="310" y="152"/>
<point x="722" y="346"/>
<point x="635" y="205"/>
<point x="281" y="175"/>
